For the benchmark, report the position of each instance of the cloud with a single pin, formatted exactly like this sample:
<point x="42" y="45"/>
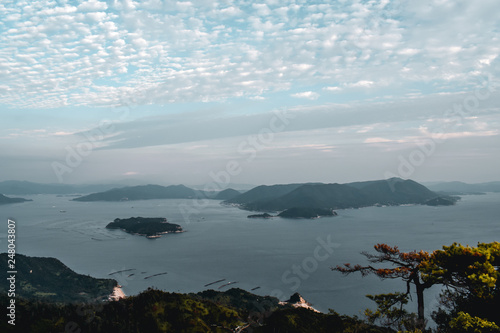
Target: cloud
<point x="306" y="94"/>
<point x="92" y="6"/>
<point x="96" y="53"/>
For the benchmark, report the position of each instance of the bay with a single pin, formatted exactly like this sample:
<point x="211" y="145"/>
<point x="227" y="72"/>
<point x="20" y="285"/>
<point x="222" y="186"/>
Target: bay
<point x="280" y="256"/>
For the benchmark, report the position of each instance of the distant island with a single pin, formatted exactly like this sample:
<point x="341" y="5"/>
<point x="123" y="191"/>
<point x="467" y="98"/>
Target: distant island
<point x="260" y="216"/>
<point x="151" y="227"/>
<point x="17" y="187"/>
<point x="298" y="212"/>
<point x="278" y="198"/>
<point x="390" y="192"/>
<point x="306" y="212"/>
<point x="149" y="192"/>
<point x="6" y="200"/>
<point x="143" y="192"/>
<point x="442" y="201"/>
<point x="49" y="280"/>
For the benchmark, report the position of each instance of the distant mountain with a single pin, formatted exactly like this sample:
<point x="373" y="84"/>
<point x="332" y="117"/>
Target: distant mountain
<point x="144" y="192"/>
<point x="394" y="191"/>
<point x="6" y="200"/>
<point x="23" y="187"/>
<point x="227" y="194"/>
<point x="464" y="188"/>
<point x="263" y="193"/>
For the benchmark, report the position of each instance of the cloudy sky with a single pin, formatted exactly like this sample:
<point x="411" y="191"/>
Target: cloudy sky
<point x="262" y="92"/>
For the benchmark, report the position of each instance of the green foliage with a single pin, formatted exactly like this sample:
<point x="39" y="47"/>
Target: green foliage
<point x="466" y="323"/>
<point x="470" y="270"/>
<point x="390" y="311"/>
<point x="473" y="273"/>
<point x="157" y="311"/>
<point x="301" y="320"/>
<point x="50" y="280"/>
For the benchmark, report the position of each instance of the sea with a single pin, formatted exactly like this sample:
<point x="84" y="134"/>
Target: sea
<point x="273" y="256"/>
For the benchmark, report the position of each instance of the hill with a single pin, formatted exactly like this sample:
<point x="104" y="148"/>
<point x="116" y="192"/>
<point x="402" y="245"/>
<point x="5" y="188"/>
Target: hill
<point x="23" y="187"/>
<point x="394" y="191"/>
<point x="6" y="200"/>
<point x="263" y="193"/>
<point x="143" y="192"/>
<point x="227" y="194"/>
<point x="49" y="280"/>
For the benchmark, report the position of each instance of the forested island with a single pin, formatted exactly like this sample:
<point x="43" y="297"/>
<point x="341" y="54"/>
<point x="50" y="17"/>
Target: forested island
<point x="389" y="192"/>
<point x="151" y="227"/>
<point x="6" y="200"/>
<point x="306" y="212"/>
<point x="298" y="212"/>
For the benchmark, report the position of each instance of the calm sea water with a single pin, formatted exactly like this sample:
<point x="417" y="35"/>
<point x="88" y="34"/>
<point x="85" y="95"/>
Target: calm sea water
<point x="278" y="255"/>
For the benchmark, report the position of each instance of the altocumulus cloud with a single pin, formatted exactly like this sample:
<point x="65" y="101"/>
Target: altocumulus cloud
<point x="96" y="53"/>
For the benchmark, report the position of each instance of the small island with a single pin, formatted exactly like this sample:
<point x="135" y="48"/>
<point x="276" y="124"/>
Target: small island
<point x="442" y="201"/>
<point x="260" y="216"/>
<point x="307" y="213"/>
<point x="151" y="227"/>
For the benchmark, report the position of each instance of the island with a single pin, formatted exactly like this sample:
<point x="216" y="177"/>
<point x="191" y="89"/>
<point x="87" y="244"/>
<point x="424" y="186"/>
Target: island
<point x="442" y="201"/>
<point x="6" y="200"/>
<point x="145" y="192"/>
<point x="260" y="216"/>
<point x="151" y="227"/>
<point x="386" y="192"/>
<point x="307" y="213"/>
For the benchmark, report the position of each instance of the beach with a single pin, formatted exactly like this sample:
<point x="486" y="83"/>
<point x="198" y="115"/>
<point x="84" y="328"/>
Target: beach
<point x="117" y="293"/>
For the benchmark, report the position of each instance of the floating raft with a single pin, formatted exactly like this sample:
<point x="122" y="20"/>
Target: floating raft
<point x="147" y="277"/>
<point x="211" y="283"/>
<point x="123" y="270"/>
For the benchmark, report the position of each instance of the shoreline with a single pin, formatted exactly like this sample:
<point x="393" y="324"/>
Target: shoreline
<point x="117" y="293"/>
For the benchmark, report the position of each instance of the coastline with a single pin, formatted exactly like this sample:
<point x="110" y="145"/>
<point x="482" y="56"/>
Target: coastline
<point x="117" y="293"/>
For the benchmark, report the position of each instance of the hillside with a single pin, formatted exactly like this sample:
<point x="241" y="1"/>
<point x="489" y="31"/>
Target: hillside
<point x="263" y="192"/>
<point x="393" y="191"/>
<point x="155" y="311"/>
<point x="50" y="280"/>
<point x="227" y="194"/>
<point x="6" y="200"/>
<point x="143" y="192"/>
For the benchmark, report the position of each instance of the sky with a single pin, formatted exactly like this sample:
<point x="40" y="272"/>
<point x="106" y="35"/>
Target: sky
<point x="246" y="92"/>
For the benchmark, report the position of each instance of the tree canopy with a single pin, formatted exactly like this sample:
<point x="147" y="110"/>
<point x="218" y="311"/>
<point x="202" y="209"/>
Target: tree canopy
<point x="473" y="273"/>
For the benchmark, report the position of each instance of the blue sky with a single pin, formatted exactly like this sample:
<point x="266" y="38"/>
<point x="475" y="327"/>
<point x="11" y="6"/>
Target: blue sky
<point x="176" y="91"/>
